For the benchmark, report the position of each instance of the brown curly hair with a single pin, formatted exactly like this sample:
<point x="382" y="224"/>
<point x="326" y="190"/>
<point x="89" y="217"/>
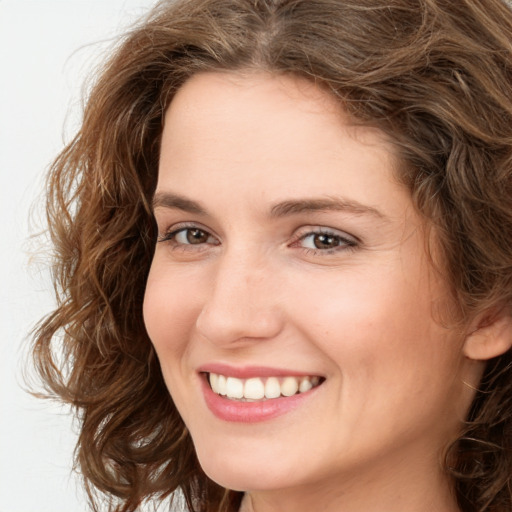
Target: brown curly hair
<point x="434" y="75"/>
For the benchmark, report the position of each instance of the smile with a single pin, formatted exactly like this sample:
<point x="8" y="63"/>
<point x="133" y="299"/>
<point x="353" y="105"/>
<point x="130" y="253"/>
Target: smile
<point x="261" y="388"/>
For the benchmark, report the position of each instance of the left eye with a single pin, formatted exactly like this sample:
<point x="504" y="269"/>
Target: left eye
<point x="325" y="241"/>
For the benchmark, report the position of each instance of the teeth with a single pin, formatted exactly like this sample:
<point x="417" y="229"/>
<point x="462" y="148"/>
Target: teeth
<point x="272" y="388"/>
<point x="234" y="388"/>
<point x="254" y="389"/>
<point x="214" y="381"/>
<point x="305" y="385"/>
<point x="221" y="385"/>
<point x="289" y="386"/>
<point x="258" y="389"/>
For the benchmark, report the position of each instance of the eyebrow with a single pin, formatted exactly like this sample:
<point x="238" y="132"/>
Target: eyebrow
<point x="293" y="207"/>
<point x="280" y="209"/>
<point x="175" y="201"/>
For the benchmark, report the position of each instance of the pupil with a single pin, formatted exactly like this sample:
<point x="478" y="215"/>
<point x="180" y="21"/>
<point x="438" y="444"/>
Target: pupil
<point x="196" y="236"/>
<point x="325" y="241"/>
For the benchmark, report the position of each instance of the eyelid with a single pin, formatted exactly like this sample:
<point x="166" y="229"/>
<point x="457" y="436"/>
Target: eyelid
<point x="170" y="232"/>
<point x="350" y="241"/>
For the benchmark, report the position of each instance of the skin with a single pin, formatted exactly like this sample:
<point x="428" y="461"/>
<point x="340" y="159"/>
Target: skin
<point x="255" y="291"/>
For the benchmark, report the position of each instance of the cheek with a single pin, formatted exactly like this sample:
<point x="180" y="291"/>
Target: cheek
<point x="168" y="311"/>
<point x="377" y="304"/>
<point x="169" y="315"/>
<point x="377" y="329"/>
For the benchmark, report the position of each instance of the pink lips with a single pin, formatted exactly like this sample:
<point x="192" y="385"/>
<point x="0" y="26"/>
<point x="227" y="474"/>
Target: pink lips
<point x="249" y="412"/>
<point x="246" y="372"/>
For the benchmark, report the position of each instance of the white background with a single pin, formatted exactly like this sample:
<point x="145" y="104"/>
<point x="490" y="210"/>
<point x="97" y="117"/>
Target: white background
<point x="46" y="49"/>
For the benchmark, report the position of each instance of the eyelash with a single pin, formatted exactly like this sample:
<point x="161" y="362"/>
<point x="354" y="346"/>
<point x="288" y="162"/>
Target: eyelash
<point x="345" y="242"/>
<point x="170" y="236"/>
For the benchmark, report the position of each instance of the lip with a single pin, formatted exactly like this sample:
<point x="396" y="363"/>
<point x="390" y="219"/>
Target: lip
<point x="247" y="372"/>
<point x="250" y="412"/>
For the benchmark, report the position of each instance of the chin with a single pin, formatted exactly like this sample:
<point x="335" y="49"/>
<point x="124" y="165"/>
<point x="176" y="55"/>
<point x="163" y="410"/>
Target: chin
<point x="245" y="472"/>
<point x="260" y="479"/>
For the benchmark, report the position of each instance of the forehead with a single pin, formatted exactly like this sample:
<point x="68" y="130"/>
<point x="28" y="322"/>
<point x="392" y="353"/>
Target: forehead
<point x="260" y="121"/>
<point x="264" y="95"/>
<point x="284" y="89"/>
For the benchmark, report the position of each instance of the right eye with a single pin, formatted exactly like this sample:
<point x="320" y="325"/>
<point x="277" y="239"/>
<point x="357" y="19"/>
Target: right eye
<point x="188" y="236"/>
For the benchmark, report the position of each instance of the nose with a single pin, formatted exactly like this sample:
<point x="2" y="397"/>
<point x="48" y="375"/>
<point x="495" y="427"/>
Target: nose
<point x="242" y="304"/>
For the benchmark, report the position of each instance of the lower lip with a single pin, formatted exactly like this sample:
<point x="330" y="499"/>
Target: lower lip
<point x="251" y="412"/>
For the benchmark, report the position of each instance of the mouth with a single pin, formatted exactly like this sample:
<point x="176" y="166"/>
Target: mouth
<point x="261" y="389"/>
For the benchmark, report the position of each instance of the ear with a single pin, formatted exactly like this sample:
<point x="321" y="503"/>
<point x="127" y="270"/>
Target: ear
<point x="490" y="337"/>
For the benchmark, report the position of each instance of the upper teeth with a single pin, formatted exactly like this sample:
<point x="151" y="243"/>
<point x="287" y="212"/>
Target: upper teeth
<point x="258" y="388"/>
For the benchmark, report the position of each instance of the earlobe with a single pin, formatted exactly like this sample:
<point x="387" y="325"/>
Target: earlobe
<point x="490" y="338"/>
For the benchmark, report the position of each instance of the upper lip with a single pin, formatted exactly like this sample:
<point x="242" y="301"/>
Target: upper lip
<point x="246" y="372"/>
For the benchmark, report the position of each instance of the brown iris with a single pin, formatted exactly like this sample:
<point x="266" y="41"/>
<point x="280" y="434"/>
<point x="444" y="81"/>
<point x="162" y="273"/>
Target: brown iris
<point x="325" y="241"/>
<point x="196" y="236"/>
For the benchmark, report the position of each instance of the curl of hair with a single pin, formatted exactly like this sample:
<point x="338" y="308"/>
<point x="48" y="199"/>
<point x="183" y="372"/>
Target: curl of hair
<point x="434" y="75"/>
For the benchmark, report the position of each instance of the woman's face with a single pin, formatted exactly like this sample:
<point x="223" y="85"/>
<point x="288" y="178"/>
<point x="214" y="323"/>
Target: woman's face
<point x="290" y="257"/>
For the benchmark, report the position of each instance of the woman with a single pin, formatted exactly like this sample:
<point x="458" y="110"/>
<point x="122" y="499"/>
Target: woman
<point x="284" y="259"/>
